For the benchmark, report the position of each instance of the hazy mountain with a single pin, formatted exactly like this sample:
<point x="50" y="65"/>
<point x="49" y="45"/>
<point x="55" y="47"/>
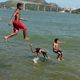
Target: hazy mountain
<point x="37" y="1"/>
<point x="12" y="3"/>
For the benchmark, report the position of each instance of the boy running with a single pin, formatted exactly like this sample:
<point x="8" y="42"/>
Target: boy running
<point x="15" y="20"/>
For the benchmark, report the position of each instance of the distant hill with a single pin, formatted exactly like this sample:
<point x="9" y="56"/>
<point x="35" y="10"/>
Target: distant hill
<point x="12" y="4"/>
<point x="76" y="11"/>
<point x="38" y="1"/>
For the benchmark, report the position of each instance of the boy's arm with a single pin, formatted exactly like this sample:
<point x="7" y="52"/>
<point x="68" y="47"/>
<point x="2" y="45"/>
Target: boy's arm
<point x="54" y="46"/>
<point x="12" y="17"/>
<point x="60" y="42"/>
<point x="32" y="49"/>
<point x="23" y="19"/>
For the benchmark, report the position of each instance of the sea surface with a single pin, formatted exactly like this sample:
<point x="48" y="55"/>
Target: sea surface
<point x="42" y="27"/>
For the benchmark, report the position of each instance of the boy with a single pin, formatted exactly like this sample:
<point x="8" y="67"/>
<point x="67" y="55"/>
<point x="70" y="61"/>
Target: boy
<point x="57" y="50"/>
<point x="37" y="52"/>
<point x="15" y="19"/>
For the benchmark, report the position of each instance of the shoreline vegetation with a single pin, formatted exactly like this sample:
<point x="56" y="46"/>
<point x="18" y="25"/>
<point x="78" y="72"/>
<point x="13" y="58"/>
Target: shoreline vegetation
<point x="38" y="5"/>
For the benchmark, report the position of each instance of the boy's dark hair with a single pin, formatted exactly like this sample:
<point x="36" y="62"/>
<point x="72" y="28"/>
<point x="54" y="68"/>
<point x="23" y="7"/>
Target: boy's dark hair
<point x="19" y="4"/>
<point x="55" y="40"/>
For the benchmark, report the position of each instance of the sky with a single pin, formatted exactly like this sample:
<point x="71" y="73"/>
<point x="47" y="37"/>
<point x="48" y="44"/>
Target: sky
<point x="3" y="0"/>
<point x="67" y="3"/>
<point x="63" y="3"/>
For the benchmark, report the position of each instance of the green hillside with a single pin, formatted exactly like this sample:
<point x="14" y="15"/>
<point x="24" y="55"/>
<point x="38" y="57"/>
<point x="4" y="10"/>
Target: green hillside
<point x="44" y="5"/>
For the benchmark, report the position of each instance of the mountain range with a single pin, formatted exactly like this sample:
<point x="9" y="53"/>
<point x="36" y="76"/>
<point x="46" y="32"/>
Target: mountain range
<point x="12" y="3"/>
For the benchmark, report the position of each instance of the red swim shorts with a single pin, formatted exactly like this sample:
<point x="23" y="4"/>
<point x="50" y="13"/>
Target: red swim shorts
<point x="18" y="25"/>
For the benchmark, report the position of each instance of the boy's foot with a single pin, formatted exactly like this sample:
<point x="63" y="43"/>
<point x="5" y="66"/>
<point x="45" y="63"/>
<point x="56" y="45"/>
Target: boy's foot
<point x="27" y="38"/>
<point x="5" y="38"/>
<point x="62" y="59"/>
<point x="35" y="60"/>
<point x="58" y="59"/>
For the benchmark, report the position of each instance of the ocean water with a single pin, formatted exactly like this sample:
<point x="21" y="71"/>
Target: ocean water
<point x="42" y="27"/>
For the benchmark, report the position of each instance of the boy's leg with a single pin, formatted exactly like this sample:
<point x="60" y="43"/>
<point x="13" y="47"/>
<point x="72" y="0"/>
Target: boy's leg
<point x="24" y="35"/>
<point x="24" y="29"/>
<point x="42" y="50"/>
<point x="11" y="35"/>
<point x="45" y="55"/>
<point x="62" y="57"/>
<point x="59" y="56"/>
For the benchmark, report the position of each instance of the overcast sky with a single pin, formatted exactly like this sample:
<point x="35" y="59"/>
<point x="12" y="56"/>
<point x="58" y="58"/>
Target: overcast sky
<point x="67" y="3"/>
<point x="3" y="0"/>
<point x="63" y="3"/>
